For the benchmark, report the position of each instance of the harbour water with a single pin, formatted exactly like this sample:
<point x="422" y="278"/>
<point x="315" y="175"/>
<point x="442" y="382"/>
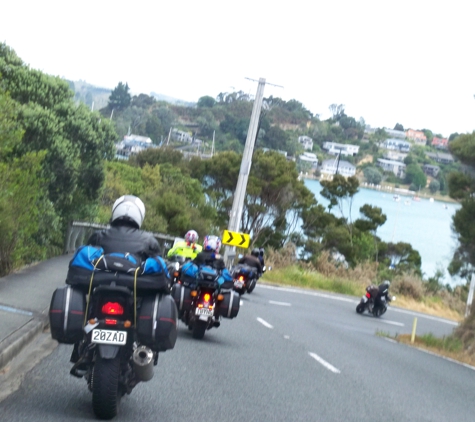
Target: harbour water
<point x="425" y="224"/>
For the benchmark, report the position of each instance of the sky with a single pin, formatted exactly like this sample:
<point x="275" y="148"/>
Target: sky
<point x="408" y="62"/>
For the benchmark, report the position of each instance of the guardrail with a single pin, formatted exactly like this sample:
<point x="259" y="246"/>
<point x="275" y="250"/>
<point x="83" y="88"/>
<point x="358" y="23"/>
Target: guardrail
<point x="79" y="231"/>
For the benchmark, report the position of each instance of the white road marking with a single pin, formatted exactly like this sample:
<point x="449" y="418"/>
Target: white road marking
<point x="324" y="363"/>
<point x="399" y="324"/>
<point x="264" y="323"/>
<point x="344" y="299"/>
<point x="273" y="302"/>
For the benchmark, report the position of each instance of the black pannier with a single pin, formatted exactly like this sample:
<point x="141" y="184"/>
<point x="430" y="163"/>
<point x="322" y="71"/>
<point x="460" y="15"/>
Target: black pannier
<point x="182" y="296"/>
<point x="157" y="322"/>
<point x="66" y="314"/>
<point x="229" y="307"/>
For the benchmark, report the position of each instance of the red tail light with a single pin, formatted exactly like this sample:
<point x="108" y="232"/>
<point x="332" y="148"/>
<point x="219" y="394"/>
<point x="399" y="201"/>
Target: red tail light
<point x="207" y="297"/>
<point x="112" y="308"/>
<point x="241" y="278"/>
<point x="368" y="295"/>
<point x="111" y="321"/>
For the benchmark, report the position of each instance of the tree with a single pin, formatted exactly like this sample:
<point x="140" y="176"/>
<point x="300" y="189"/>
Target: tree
<point x="415" y="176"/>
<point x="120" y="97"/>
<point x="462" y="187"/>
<point x="206" y="102"/>
<point x="373" y="175"/>
<point x="399" y="126"/>
<point x="434" y="186"/>
<point x="340" y="191"/>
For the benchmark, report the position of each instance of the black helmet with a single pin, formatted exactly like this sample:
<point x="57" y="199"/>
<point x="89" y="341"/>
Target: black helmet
<point x="255" y="252"/>
<point x="261" y="252"/>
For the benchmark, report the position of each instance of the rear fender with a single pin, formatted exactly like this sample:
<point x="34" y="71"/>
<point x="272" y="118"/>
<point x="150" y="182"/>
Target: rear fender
<point x="107" y="351"/>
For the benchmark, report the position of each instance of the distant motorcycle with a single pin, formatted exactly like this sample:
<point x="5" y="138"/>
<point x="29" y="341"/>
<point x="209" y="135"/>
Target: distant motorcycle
<point x="200" y="302"/>
<point x="375" y="308"/>
<point x="173" y="265"/>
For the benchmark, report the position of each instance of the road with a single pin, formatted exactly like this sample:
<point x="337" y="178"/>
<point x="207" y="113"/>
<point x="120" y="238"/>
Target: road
<point x="290" y="355"/>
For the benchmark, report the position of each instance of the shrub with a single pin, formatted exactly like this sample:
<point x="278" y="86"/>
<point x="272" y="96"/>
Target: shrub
<point x="409" y="285"/>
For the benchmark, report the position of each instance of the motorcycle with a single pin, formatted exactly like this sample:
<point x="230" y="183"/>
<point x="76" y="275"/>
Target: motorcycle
<point x="376" y="308"/>
<point x="201" y="304"/>
<point x="174" y="264"/>
<point x="245" y="278"/>
<point x="118" y="343"/>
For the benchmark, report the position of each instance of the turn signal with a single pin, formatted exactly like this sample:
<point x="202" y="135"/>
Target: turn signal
<point x="194" y="293"/>
<point x="220" y="297"/>
<point x="127" y="324"/>
<point x="176" y="274"/>
<point x="112" y="308"/>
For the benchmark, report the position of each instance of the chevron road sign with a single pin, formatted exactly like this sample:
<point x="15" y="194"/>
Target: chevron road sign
<point x="241" y="240"/>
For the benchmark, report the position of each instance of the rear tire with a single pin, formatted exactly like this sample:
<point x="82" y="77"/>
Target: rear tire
<point x="199" y="329"/>
<point x="360" y="308"/>
<point x="105" y="387"/>
<point x="252" y="286"/>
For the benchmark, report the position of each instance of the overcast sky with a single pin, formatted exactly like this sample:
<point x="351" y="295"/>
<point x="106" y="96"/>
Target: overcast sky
<point x="409" y="62"/>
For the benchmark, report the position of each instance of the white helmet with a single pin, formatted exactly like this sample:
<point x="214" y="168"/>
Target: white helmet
<point x="128" y="207"/>
<point x="212" y="243"/>
<point x="191" y="236"/>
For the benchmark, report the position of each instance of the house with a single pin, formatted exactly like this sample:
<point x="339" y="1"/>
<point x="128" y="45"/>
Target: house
<point x="307" y="142"/>
<point x="441" y="143"/>
<point x="441" y="157"/>
<point x="394" y="155"/>
<point x="431" y="170"/>
<point x="137" y="139"/>
<point x="309" y="157"/>
<point x="180" y="136"/>
<point x="396" y="144"/>
<point x="395" y="167"/>
<point x="417" y="136"/>
<point x="398" y="134"/>
<point x="343" y="149"/>
<point x="332" y="166"/>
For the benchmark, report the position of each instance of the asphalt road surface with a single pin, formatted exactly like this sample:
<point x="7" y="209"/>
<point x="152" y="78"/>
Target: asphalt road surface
<point x="290" y="355"/>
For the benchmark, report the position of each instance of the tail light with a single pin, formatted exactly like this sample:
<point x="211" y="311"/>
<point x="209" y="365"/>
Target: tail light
<point x="241" y="278"/>
<point x="368" y="295"/>
<point x="112" y="308"/>
<point x="109" y="321"/>
<point x="207" y="297"/>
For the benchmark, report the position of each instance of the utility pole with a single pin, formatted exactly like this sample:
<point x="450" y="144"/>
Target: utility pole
<point x="240" y="192"/>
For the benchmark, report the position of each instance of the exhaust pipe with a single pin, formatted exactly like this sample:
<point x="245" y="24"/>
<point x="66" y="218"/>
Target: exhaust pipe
<point x="143" y="363"/>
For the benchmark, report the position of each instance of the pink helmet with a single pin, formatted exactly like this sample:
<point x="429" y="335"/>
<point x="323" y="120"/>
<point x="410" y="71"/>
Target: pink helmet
<point x="212" y="243"/>
<point x="191" y="237"/>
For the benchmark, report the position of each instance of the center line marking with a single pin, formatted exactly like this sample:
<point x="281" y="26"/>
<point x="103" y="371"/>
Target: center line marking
<point x="399" y="324"/>
<point x="273" y="302"/>
<point x="264" y="323"/>
<point x="324" y="363"/>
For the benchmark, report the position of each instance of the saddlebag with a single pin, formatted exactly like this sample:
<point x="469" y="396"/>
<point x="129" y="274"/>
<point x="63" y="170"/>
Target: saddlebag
<point x="182" y="297"/>
<point x="89" y="262"/>
<point x="66" y="314"/>
<point x="157" y="322"/>
<point x="229" y="307"/>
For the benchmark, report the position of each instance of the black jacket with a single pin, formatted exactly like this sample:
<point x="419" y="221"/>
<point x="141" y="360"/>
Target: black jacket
<point x="210" y="258"/>
<point x="251" y="261"/>
<point x="126" y="238"/>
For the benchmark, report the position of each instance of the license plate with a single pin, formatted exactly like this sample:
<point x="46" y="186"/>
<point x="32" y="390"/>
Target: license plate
<point x="204" y="312"/>
<point x="238" y="284"/>
<point x="118" y="338"/>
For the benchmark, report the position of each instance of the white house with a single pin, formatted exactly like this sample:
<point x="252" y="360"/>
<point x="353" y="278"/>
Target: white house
<point x="399" y="134"/>
<point x="309" y="157"/>
<point x="344" y="167"/>
<point x="397" y="167"/>
<point x="345" y="149"/>
<point x="137" y="139"/>
<point x="307" y="142"/>
<point x="397" y="144"/>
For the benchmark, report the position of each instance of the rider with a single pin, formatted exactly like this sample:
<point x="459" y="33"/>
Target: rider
<point x="378" y="292"/>
<point x="252" y="261"/>
<point x="124" y="234"/>
<point x="187" y="248"/>
<point x="210" y="253"/>
<point x="261" y="257"/>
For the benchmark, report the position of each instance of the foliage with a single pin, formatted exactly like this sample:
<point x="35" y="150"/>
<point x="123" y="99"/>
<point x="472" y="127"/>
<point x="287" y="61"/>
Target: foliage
<point x="373" y="175"/>
<point x="120" y="97"/>
<point x="415" y="176"/>
<point x="434" y="186"/>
